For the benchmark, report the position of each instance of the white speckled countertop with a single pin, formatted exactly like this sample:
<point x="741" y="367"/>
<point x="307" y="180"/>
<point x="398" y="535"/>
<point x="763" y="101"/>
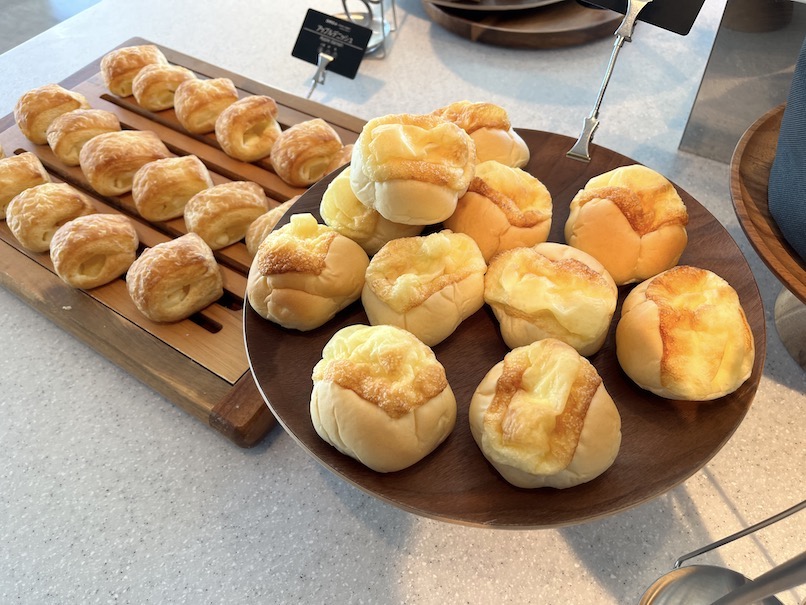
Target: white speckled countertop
<point x="110" y="494"/>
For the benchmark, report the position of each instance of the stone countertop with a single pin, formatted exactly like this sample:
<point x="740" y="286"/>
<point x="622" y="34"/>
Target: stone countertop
<point x="109" y="493"/>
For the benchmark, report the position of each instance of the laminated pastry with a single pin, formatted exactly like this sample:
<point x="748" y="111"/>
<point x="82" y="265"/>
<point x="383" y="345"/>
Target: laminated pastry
<point x="302" y="154"/>
<point x="221" y="214"/>
<point x="489" y="127"/>
<point x="247" y="129"/>
<point x="18" y="173"/>
<point x="110" y="160"/>
<point x="426" y="284"/>
<point x="119" y="67"/>
<point x="632" y="220"/>
<point x="162" y="188"/>
<point x="683" y="335"/>
<point x="34" y="215"/>
<point x="381" y="397"/>
<point x="543" y="418"/>
<point x="155" y="85"/>
<point x="551" y="291"/>
<point x="264" y="224"/>
<point x="412" y="168"/>
<point x="304" y="273"/>
<point x="37" y="108"/>
<point x="342" y="158"/>
<point x="341" y="210"/>
<point x="175" y="279"/>
<point x="68" y="133"/>
<point x="503" y="208"/>
<point x="92" y="250"/>
<point x="198" y="103"/>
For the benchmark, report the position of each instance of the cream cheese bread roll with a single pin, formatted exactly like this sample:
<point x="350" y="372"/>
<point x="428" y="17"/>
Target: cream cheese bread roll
<point x="503" y="208"/>
<point x="34" y="215"/>
<point x="551" y="291"/>
<point x="92" y="250"/>
<point x="155" y="85"/>
<point x="18" y="173"/>
<point x="247" y="129"/>
<point x="68" y="133"/>
<point x="303" y="153"/>
<point x="198" y="103"/>
<point x="37" y="108"/>
<point x="427" y="284"/>
<point x="175" y="279"/>
<point x="381" y="397"/>
<point x="630" y="219"/>
<point x="120" y="66"/>
<point x="489" y="127"/>
<point x="304" y="273"/>
<point x="412" y="169"/>
<point x="683" y="335"/>
<point x="264" y="224"/>
<point x="543" y="418"/>
<point x="221" y="214"/>
<point x="341" y="210"/>
<point x="162" y="188"/>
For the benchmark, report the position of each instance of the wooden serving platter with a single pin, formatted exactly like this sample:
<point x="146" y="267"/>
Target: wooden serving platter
<point x="200" y="364"/>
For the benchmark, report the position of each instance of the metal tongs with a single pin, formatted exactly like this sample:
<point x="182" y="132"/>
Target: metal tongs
<point x="580" y="151"/>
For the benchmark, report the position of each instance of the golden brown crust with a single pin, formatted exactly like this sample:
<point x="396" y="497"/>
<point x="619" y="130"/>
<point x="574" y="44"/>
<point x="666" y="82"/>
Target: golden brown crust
<point x="155" y="85"/>
<point x="639" y="208"/>
<point x="68" y="133"/>
<point x="302" y="153"/>
<point x="18" y="173"/>
<point x="198" y="103"/>
<point x="247" y="129"/>
<point x="342" y="158"/>
<point x="471" y="116"/>
<point x="120" y="66"/>
<point x="37" y="108"/>
<point x="162" y="188"/>
<point x="295" y="254"/>
<point x="221" y="214"/>
<point x="264" y="224"/>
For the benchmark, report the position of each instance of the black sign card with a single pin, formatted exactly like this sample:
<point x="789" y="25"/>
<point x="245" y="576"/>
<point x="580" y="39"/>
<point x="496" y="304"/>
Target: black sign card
<point x="343" y="40"/>
<point x="676" y="16"/>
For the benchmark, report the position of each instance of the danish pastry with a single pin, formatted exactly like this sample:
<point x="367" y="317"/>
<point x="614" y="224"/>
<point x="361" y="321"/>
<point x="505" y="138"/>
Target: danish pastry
<point x="162" y="188"/>
<point x="155" y="85"/>
<point x="264" y="224"/>
<point x="247" y="129"/>
<point x="302" y="154"/>
<point x="198" y="103"/>
<point x="221" y="214"/>
<point x="37" y="108"/>
<point x="68" y="133"/>
<point x="18" y="173"/>
<point x="120" y="66"/>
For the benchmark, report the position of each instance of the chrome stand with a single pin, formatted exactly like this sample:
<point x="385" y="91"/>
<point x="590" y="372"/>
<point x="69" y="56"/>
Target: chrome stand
<point x="378" y="23"/>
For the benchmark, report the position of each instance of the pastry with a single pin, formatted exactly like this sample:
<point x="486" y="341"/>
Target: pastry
<point x="92" y="250"/>
<point x="412" y="168"/>
<point x="119" y="67"/>
<point x="67" y="134"/>
<point x="380" y="396"/>
<point x="543" y="418"/>
<point x="18" y="173"/>
<point x="264" y="224"/>
<point x="221" y="214"/>
<point x="247" y="129"/>
<point x="342" y="158"/>
<point x="632" y="220"/>
<point x="155" y="85"/>
<point x="683" y="335"/>
<point x="302" y="154"/>
<point x="37" y="108"/>
<point x="304" y="273"/>
<point x="162" y="188"/>
<point x="175" y="279"/>
<point x="427" y="284"/>
<point x="198" y="103"/>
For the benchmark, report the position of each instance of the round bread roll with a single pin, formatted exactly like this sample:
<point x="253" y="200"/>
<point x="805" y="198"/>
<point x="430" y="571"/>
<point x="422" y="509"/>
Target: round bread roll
<point x="302" y="154"/>
<point x="37" y="108"/>
<point x="412" y="169"/>
<point x="543" y="418"/>
<point x="18" y="173"/>
<point x="683" y="335"/>
<point x="34" y="215"/>
<point x="503" y="208"/>
<point x="120" y="66"/>
<point x="427" y="284"/>
<point x="264" y="224"/>
<point x="92" y="250"/>
<point x="489" y="127"/>
<point x="68" y="133"/>
<point x="175" y="279"/>
<point x="155" y="85"/>
<point x="341" y="210"/>
<point x="162" y="188"/>
<point x="304" y="273"/>
<point x="380" y="396"/>
<point x="551" y="291"/>
<point x="221" y="214"/>
<point x="198" y="103"/>
<point x="247" y="129"/>
<point x="632" y="220"/>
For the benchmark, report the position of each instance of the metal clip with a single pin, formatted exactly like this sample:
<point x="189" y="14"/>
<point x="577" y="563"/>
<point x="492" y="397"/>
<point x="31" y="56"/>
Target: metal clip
<point x="319" y="77"/>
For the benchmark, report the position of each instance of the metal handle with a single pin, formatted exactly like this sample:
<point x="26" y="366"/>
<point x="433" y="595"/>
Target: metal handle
<point x="785" y="576"/>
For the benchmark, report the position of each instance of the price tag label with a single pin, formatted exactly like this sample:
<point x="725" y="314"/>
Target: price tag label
<point x="343" y="40"/>
<point x="676" y="16"/>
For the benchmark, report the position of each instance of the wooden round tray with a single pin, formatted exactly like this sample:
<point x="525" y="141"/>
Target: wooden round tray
<point x="493" y="5"/>
<point x="664" y="442"/>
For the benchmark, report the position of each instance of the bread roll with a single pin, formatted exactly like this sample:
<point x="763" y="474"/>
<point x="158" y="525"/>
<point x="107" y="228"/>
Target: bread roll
<point x="247" y="129"/>
<point x="491" y="131"/>
<point x="110" y="160"/>
<point x="92" y="250"/>
<point x="264" y="224"/>
<point x="427" y="285"/>
<point x="543" y="418"/>
<point x="34" y="215"/>
<point x="380" y="396"/>
<point x="503" y="208"/>
<point x="341" y="210"/>
<point x="162" y="188"/>
<point x="198" y="103"/>
<point x="175" y="279"/>
<point x="119" y="67"/>
<point x="632" y="220"/>
<point x="68" y="133"/>
<point x="155" y="85"/>
<point x="683" y="335"/>
<point x="302" y="154"/>
<point x="222" y="214"/>
<point x="412" y="168"/>
<point x="37" y="108"/>
<point x="304" y="273"/>
<point x="18" y="173"/>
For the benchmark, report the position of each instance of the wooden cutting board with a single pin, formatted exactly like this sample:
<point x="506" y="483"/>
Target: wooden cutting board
<point x="199" y="364"/>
